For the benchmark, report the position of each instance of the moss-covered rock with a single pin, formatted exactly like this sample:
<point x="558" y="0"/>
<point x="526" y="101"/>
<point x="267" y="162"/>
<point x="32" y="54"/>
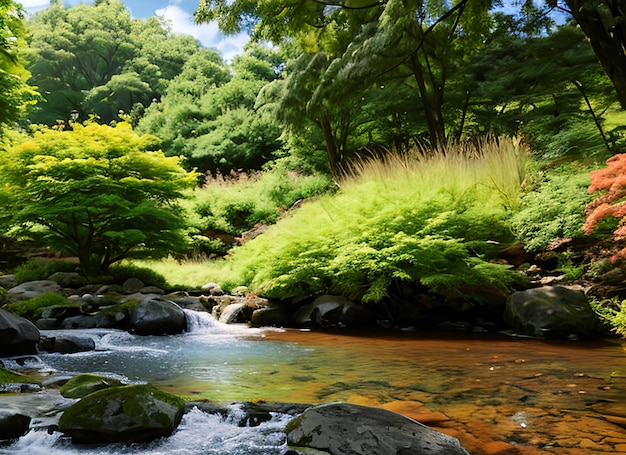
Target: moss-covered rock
<point x="133" y="413"/>
<point x="84" y="384"/>
<point x="33" y="308"/>
<point x="12" y="382"/>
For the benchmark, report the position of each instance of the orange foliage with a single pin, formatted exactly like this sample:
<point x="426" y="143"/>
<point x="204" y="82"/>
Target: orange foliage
<point x="611" y="179"/>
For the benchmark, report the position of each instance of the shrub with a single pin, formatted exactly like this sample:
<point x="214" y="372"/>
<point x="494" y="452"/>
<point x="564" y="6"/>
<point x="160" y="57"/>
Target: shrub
<point x="121" y="272"/>
<point x="552" y="211"/>
<point x="236" y="202"/>
<point x="612" y="312"/>
<point x="435" y="220"/>
<point x="33" y="308"/>
<point x="40" y="269"/>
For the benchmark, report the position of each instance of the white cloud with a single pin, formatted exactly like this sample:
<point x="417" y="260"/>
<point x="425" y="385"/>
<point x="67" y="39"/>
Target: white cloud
<point x="208" y="34"/>
<point x="32" y="6"/>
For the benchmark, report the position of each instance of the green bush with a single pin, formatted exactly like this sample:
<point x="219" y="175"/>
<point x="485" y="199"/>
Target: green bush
<point x="612" y="312"/>
<point x="121" y="272"/>
<point x="33" y="308"/>
<point x="554" y="210"/>
<point x="436" y="222"/>
<point x="235" y="203"/>
<point x="39" y="269"/>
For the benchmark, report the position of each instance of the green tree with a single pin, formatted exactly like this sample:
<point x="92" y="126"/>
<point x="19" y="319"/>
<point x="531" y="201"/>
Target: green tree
<point x="209" y="116"/>
<point x="15" y="93"/>
<point x="604" y="23"/>
<point x="96" y="59"/>
<point x="97" y="192"/>
<point x="351" y="47"/>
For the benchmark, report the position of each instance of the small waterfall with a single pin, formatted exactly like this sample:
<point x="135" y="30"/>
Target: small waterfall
<point x="201" y="322"/>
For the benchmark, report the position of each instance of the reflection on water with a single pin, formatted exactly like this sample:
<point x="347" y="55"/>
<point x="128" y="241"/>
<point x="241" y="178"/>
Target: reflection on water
<point x="497" y="395"/>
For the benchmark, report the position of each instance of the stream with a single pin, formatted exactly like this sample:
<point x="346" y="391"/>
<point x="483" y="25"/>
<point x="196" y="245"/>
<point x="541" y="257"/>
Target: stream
<point x="497" y="394"/>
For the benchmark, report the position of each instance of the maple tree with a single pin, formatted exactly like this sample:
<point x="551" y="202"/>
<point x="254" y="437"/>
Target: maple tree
<point x="610" y="203"/>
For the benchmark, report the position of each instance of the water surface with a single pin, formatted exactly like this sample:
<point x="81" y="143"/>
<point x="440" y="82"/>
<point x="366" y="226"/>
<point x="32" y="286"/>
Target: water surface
<point x="498" y="395"/>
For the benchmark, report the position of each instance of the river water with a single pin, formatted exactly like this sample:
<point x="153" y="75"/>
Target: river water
<point x="498" y="395"/>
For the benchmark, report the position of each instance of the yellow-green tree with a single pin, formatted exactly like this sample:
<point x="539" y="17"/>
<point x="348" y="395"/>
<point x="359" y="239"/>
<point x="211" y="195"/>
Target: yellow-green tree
<point x="14" y="91"/>
<point x="101" y="193"/>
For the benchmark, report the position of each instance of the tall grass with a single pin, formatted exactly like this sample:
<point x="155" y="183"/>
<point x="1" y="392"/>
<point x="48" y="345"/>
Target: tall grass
<point x="433" y="219"/>
<point x="499" y="165"/>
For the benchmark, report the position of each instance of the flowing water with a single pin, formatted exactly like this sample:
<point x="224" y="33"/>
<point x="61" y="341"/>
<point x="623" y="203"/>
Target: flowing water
<point x="498" y="395"/>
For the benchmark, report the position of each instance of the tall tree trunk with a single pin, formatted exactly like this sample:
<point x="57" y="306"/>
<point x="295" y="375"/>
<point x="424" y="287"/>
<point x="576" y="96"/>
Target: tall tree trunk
<point x="607" y="36"/>
<point x="431" y="94"/>
<point x="332" y="149"/>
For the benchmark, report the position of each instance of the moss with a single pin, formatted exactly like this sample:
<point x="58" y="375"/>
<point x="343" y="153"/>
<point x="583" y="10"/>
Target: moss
<point x="90" y="412"/>
<point x="33" y="308"/>
<point x="84" y="384"/>
<point x="11" y="377"/>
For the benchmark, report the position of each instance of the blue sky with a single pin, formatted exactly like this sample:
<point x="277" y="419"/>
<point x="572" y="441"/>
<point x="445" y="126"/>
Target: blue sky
<point x="178" y="13"/>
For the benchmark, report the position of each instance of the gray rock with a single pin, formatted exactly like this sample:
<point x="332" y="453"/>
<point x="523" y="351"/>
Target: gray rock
<point x="230" y="314"/>
<point x="134" y="413"/>
<point x="157" y="317"/>
<point x="273" y="315"/>
<point x="18" y="336"/>
<point x="7" y="281"/>
<point x="67" y="344"/>
<point x="552" y="312"/>
<point x="13" y="425"/>
<point x="152" y="290"/>
<point x="132" y="285"/>
<point x="100" y="320"/>
<point x="32" y="289"/>
<point x="333" y="311"/>
<point x="69" y="279"/>
<point x="348" y="429"/>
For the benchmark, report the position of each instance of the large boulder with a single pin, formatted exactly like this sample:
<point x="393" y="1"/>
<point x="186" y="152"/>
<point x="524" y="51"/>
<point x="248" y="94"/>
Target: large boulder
<point x="13" y="424"/>
<point x="31" y="289"/>
<point x="552" y="312"/>
<point x="154" y="316"/>
<point x="18" y="336"/>
<point x="348" y="429"/>
<point x="128" y="414"/>
<point x="333" y="311"/>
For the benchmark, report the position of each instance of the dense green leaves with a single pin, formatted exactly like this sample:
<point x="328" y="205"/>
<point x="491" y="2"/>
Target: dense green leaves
<point x="97" y="192"/>
<point x="209" y="116"/>
<point x="97" y="59"/>
<point x="434" y="223"/>
<point x="15" y="93"/>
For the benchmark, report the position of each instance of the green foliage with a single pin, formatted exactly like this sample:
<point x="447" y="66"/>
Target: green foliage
<point x="435" y="222"/>
<point x="32" y="309"/>
<point x="121" y="272"/>
<point x="97" y="192"/>
<point x="554" y="210"/>
<point x="612" y="312"/>
<point x="209" y="115"/>
<point x="236" y="202"/>
<point x="16" y="94"/>
<point x="96" y="59"/>
<point x="38" y="269"/>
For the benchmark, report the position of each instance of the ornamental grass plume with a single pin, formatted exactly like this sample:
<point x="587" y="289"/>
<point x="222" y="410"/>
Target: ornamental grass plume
<point x="612" y="203"/>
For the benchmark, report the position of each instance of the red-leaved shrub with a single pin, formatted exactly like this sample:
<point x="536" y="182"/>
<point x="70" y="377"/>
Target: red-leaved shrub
<point x="612" y="202"/>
